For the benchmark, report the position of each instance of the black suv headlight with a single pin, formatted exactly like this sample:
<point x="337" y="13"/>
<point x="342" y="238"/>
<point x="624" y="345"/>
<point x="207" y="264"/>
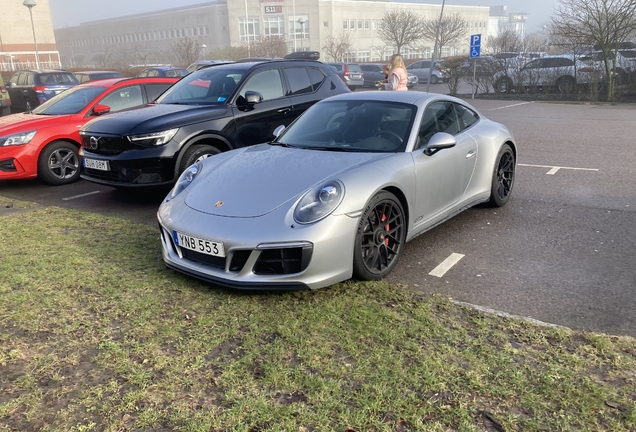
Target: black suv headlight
<point x="154" y="138"/>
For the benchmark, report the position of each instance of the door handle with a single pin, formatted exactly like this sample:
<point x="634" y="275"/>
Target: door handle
<point x="284" y="110"/>
<point x="471" y="154"/>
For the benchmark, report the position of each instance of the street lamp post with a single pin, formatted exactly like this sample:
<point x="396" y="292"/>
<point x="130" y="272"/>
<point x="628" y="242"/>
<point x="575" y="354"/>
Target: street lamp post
<point x="302" y="22"/>
<point x="30" y="4"/>
<point x="430" y="69"/>
<point x="204" y="46"/>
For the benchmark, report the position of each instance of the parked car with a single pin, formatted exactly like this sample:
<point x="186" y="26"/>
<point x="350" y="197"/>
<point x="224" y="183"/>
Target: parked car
<point x="421" y="69"/>
<point x="337" y="194"/>
<point x="163" y="72"/>
<point x="350" y="73"/>
<point x="373" y="73"/>
<point x="485" y="66"/>
<point x="30" y="88"/>
<point x="5" y="100"/>
<point x="559" y="72"/>
<point x="210" y="111"/>
<point x="204" y="63"/>
<point x="45" y="143"/>
<point x="92" y="75"/>
<point x="625" y="63"/>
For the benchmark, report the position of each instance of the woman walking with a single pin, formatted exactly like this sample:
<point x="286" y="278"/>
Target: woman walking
<point x="398" y="78"/>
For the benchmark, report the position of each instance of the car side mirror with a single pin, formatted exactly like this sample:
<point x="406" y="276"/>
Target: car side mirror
<point x="12" y="85"/>
<point x="100" y="109"/>
<point x="439" y="141"/>
<point x="252" y="97"/>
<point x="279" y="130"/>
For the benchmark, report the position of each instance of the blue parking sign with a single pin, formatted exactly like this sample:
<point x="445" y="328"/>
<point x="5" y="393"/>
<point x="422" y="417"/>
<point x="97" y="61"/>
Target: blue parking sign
<point x="475" y="45"/>
<point x="475" y="51"/>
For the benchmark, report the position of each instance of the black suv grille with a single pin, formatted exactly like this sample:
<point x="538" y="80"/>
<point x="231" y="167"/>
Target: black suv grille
<point x="283" y="261"/>
<point x="106" y="145"/>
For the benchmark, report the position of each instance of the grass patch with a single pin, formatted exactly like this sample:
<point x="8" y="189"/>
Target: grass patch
<point x="97" y="335"/>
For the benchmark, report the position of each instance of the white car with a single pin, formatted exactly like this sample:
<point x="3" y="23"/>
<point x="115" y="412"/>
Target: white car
<point x="562" y="73"/>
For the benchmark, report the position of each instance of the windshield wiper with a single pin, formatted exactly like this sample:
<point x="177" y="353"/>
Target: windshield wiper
<point x="281" y="144"/>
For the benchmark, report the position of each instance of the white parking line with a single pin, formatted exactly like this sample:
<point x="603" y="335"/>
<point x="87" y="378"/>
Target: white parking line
<point x="553" y="169"/>
<point x="509" y="106"/>
<point x="80" y="196"/>
<point x="446" y="265"/>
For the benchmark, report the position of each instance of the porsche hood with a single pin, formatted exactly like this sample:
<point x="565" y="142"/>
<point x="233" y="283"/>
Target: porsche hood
<point x="261" y="178"/>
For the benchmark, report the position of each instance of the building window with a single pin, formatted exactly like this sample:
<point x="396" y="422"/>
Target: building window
<point x="360" y="24"/>
<point x="325" y="23"/>
<point x="207" y="30"/>
<point x="248" y="30"/>
<point x="363" y="56"/>
<point x="352" y="24"/>
<point x="345" y="24"/>
<point x="374" y="24"/>
<point x="274" y="25"/>
<point x="367" y="24"/>
<point x="350" y="56"/>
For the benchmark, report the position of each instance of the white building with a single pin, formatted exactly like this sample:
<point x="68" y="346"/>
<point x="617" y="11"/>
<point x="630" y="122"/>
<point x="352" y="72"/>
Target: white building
<point x="303" y="24"/>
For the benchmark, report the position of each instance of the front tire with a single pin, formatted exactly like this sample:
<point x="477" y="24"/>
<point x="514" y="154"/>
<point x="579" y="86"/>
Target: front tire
<point x="197" y="153"/>
<point x="380" y="237"/>
<point x="503" y="85"/>
<point x="503" y="177"/>
<point x="59" y="163"/>
<point x="566" y="84"/>
<point x="434" y="79"/>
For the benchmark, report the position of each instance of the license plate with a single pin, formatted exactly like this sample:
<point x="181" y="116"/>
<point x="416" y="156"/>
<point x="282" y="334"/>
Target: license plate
<point x="196" y="244"/>
<point x="356" y="76"/>
<point x="96" y="164"/>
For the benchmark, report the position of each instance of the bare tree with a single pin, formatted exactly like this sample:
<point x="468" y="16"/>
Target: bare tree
<point x="451" y="29"/>
<point x="400" y="27"/>
<point x="506" y="40"/>
<point x="185" y="51"/>
<point x="268" y="46"/>
<point x="336" y="46"/>
<point x="604" y="23"/>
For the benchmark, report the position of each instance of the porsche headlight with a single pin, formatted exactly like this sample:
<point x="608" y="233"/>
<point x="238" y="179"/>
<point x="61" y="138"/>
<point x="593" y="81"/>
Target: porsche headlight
<point x="319" y="202"/>
<point x="155" y="138"/>
<point x="17" y="139"/>
<point x="185" y="179"/>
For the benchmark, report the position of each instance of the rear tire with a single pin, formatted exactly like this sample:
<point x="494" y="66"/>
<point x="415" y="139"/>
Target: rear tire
<point x="5" y="111"/>
<point x="434" y="79"/>
<point x="503" y="177"/>
<point x="566" y="84"/>
<point x="197" y="153"/>
<point x="503" y="85"/>
<point x="59" y="163"/>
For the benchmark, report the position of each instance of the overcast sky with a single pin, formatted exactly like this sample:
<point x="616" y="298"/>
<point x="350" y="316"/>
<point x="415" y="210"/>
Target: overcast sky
<point x="73" y="12"/>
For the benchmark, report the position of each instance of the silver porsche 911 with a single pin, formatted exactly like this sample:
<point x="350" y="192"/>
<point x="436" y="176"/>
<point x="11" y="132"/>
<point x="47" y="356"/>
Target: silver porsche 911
<point x="337" y="194"/>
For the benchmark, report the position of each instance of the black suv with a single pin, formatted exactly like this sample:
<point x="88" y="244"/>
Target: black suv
<point x="212" y="110"/>
<point x="30" y="88"/>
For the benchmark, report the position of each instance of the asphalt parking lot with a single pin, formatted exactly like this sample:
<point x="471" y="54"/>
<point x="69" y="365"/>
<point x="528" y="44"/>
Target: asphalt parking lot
<point x="561" y="251"/>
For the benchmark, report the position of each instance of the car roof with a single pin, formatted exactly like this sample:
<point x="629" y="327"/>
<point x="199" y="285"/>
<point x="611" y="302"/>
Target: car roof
<point x="91" y="72"/>
<point x="109" y="82"/>
<point x="410" y="97"/>
<point x="44" y="70"/>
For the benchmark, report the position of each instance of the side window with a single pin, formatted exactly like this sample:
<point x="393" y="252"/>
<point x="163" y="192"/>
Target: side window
<point x="153" y="91"/>
<point x="124" y="98"/>
<point x="143" y="73"/>
<point x="466" y="116"/>
<point x="153" y="73"/>
<point x="21" y="80"/>
<point x="268" y="83"/>
<point x="298" y="80"/>
<point x="29" y="79"/>
<point x="438" y="117"/>
<point x="317" y="77"/>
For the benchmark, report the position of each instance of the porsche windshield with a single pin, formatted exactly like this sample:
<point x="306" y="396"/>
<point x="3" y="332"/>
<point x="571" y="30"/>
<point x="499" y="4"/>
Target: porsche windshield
<point x="204" y="87"/>
<point x="70" y="101"/>
<point x="365" y="126"/>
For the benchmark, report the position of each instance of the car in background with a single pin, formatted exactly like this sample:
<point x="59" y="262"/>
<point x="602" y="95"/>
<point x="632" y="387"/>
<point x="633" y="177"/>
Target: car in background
<point x="5" y="100"/>
<point x="204" y="63"/>
<point x="163" y="72"/>
<point x="30" y="88"/>
<point x="625" y="63"/>
<point x="84" y="76"/>
<point x="486" y="66"/>
<point x="210" y="111"/>
<point x="337" y="194"/>
<point x="373" y="73"/>
<point x="45" y="143"/>
<point x="350" y="73"/>
<point x="562" y="73"/>
<point x="422" y="69"/>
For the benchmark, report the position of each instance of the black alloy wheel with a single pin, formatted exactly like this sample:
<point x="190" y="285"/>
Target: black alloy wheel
<point x="380" y="237"/>
<point x="503" y="85"/>
<point x="503" y="177"/>
<point x="59" y="163"/>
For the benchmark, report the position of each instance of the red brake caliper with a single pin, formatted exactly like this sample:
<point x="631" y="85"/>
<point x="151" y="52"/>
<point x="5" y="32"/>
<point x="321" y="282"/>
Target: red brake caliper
<point x="386" y="228"/>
